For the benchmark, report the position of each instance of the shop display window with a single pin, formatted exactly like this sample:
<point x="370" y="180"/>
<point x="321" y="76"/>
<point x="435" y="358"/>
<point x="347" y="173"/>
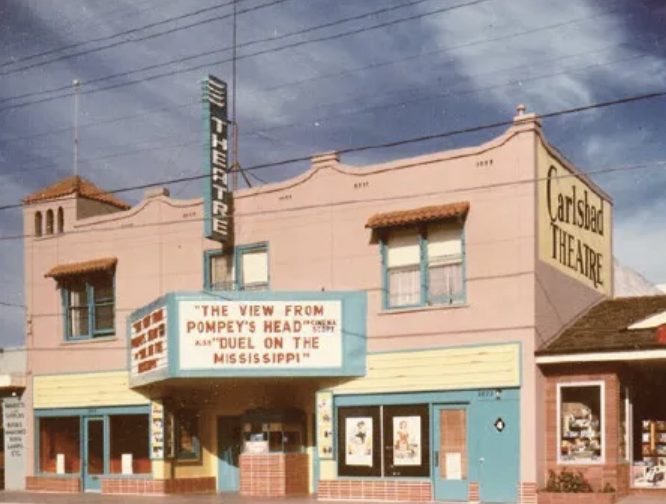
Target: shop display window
<point x="188" y="445"/>
<point x="60" y="445"/>
<point x="129" y="440"/>
<point x="359" y="441"/>
<point x="384" y="441"/>
<point x="273" y="431"/>
<point x="406" y="432"/>
<point x="581" y="422"/>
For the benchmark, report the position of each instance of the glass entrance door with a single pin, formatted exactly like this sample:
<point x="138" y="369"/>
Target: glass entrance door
<point x="228" y="451"/>
<point x="94" y="452"/>
<point x="450" y="457"/>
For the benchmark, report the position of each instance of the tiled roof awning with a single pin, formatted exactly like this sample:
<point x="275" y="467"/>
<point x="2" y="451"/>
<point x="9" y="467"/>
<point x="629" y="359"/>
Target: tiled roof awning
<point x="418" y="215"/>
<point x="75" y="185"/>
<point x="607" y="327"/>
<point x="82" y="267"/>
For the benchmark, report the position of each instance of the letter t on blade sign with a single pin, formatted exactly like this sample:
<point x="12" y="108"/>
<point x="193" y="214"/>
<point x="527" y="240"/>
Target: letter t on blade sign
<point x="217" y="196"/>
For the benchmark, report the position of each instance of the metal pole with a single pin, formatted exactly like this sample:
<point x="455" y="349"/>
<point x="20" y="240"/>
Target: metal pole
<point x="235" y="166"/>
<point x="76" y="84"/>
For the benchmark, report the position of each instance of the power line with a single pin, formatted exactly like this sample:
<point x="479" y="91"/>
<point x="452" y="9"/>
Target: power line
<point x="245" y="56"/>
<point x="100" y="123"/>
<point x="147" y="37"/>
<point x="108" y="16"/>
<point x="299" y="82"/>
<point x="103" y="38"/>
<point x="225" y="49"/>
<point x="392" y="104"/>
<point x="532" y="180"/>
<point x="420" y="195"/>
<point x="395" y="143"/>
<point x="395" y="104"/>
<point x="11" y="305"/>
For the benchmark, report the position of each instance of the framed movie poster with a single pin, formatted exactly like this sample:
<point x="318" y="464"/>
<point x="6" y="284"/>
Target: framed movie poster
<point x="359" y="441"/>
<point x="406" y="441"/>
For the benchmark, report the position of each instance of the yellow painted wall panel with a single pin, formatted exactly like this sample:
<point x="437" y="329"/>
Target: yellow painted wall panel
<point x="441" y="369"/>
<point x="85" y="390"/>
<point x="327" y="470"/>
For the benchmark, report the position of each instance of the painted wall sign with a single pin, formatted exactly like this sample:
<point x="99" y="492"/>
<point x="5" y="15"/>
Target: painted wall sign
<point x="217" y="194"/>
<point x="575" y="225"/>
<point x="148" y="342"/>
<point x="260" y="334"/>
<point x="325" y="425"/>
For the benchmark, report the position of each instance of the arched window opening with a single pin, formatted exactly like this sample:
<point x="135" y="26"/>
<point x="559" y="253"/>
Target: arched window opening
<point x="49" y="222"/>
<point x="38" y="224"/>
<point x="61" y="221"/>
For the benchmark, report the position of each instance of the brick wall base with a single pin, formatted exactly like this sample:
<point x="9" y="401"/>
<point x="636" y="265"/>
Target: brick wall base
<point x="147" y="486"/>
<point x="276" y="475"/>
<point x="577" y="498"/>
<point x="48" y="484"/>
<point x="473" y="492"/>
<point x="527" y="493"/>
<point x="654" y="492"/>
<point x="369" y="490"/>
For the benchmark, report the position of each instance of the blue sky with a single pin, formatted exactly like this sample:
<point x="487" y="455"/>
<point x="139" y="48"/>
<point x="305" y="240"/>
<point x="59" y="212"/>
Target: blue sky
<point x="466" y="66"/>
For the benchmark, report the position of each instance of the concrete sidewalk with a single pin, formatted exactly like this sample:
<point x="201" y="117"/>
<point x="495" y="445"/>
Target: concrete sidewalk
<point x="92" y="498"/>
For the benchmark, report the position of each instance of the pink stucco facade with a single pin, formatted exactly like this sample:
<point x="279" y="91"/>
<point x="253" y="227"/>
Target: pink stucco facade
<point x="314" y="225"/>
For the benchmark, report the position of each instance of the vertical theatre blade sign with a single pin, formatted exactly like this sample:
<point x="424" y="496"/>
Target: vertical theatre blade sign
<point x="217" y="195"/>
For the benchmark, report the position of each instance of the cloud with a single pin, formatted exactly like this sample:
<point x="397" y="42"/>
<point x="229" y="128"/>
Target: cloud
<point x="640" y="241"/>
<point x="546" y="52"/>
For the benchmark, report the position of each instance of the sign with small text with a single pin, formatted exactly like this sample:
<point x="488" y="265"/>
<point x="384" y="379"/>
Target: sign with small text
<point x="148" y="343"/>
<point x="260" y="334"/>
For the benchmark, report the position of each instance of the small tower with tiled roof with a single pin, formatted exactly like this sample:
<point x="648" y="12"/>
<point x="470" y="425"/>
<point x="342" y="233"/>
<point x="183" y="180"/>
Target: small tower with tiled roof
<point x="53" y="209"/>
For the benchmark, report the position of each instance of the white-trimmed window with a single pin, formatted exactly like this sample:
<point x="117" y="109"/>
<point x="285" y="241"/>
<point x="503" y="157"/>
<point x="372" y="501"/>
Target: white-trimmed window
<point x="403" y="261"/>
<point x="581" y="422"/>
<point x="220" y="271"/>
<point x="424" y="267"/>
<point x="445" y="263"/>
<point x="252" y="267"/>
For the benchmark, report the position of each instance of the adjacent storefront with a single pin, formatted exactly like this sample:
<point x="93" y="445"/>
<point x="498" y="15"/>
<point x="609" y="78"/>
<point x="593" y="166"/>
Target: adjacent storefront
<point x="605" y="396"/>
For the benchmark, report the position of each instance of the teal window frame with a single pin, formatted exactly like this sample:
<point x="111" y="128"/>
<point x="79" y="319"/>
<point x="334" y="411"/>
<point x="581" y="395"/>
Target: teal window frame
<point x="237" y="258"/>
<point x="88" y="281"/>
<point x="424" y="278"/>
<point x="238" y="265"/>
<point x="208" y="271"/>
<point x="83" y="414"/>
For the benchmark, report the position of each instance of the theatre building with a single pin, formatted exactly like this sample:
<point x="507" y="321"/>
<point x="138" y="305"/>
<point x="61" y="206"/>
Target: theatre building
<point x="357" y="333"/>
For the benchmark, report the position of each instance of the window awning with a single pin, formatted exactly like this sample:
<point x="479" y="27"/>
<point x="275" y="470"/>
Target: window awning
<point x="82" y="267"/>
<point x="418" y="215"/>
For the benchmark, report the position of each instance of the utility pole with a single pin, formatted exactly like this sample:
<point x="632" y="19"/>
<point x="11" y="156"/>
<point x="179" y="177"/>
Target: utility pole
<point x="236" y="165"/>
<point x="76" y="83"/>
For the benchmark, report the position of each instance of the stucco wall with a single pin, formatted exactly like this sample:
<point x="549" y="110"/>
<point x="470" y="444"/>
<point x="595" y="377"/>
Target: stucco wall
<point x="315" y="227"/>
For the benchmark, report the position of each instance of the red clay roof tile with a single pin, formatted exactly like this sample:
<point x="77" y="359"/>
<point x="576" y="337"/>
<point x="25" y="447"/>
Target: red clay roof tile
<point x="75" y="185"/>
<point x="418" y="215"/>
<point x="82" y="267"/>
